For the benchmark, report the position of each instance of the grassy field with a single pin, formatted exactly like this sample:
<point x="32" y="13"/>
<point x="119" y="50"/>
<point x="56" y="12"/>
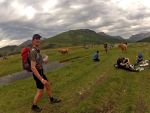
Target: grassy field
<point x="14" y="62"/>
<point x="84" y="86"/>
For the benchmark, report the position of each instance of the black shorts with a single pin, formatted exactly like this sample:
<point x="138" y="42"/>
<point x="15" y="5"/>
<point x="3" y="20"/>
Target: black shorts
<point x="39" y="84"/>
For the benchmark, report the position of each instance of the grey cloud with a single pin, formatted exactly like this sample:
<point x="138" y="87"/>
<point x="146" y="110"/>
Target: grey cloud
<point x="139" y="14"/>
<point x="117" y="21"/>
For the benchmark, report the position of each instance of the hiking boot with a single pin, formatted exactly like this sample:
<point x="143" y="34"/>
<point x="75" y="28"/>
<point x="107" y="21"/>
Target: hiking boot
<point x="54" y="100"/>
<point x="36" y="108"/>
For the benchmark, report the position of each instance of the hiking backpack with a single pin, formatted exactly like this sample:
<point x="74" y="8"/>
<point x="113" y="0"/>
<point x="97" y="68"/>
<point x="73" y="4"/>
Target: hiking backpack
<point x="25" y="59"/>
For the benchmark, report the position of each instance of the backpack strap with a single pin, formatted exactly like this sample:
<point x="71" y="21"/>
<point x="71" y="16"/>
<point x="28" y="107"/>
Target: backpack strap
<point x="37" y="50"/>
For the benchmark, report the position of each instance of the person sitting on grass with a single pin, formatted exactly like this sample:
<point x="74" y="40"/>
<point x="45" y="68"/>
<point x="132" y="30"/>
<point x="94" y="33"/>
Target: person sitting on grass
<point x="139" y="58"/>
<point x="96" y="56"/>
<point x="124" y="63"/>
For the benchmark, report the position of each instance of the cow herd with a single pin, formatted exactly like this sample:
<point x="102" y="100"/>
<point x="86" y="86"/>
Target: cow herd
<point x="122" y="46"/>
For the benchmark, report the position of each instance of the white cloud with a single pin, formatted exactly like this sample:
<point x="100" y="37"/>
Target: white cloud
<point x="76" y="7"/>
<point x="49" y="5"/>
<point x="2" y="1"/>
<point x="22" y="10"/>
<point x="95" y="21"/>
<point x="10" y="42"/>
<point x="29" y="12"/>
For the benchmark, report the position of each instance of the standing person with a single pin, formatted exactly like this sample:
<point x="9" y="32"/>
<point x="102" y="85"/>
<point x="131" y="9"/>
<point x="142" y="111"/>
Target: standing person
<point x="106" y="47"/>
<point x="41" y="80"/>
<point x="96" y="56"/>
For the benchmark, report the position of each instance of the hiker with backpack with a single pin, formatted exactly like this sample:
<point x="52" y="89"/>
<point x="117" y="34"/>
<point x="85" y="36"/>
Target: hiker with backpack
<point x="34" y="62"/>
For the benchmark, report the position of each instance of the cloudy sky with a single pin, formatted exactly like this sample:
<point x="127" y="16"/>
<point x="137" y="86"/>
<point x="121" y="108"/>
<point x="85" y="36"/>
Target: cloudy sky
<point x="20" y="19"/>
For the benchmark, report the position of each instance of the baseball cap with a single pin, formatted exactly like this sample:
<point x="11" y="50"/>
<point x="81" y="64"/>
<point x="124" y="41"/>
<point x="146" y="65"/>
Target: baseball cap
<point x="36" y="36"/>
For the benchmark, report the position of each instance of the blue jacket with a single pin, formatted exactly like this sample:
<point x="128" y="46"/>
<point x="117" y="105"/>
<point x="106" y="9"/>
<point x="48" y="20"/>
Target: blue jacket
<point x="96" y="56"/>
<point x="140" y="58"/>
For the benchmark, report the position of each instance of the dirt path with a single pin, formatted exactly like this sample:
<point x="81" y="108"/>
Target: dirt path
<point x="24" y="74"/>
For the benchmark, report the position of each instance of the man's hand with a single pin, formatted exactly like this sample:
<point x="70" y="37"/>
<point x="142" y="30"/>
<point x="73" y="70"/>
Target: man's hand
<point x="45" y="59"/>
<point x="45" y="82"/>
<point x="45" y="62"/>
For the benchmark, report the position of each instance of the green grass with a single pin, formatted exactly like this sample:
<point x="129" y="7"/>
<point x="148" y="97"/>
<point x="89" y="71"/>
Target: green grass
<point x="12" y="65"/>
<point x="85" y="86"/>
<point x="14" y="62"/>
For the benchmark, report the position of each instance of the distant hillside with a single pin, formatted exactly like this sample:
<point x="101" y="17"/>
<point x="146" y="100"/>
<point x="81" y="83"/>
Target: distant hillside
<point x="115" y="37"/>
<point x="145" y="40"/>
<point x="26" y="43"/>
<point x="7" y="49"/>
<point x="140" y="36"/>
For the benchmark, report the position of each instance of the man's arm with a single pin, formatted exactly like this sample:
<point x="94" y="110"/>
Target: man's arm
<point x="36" y="73"/>
<point x="122" y="64"/>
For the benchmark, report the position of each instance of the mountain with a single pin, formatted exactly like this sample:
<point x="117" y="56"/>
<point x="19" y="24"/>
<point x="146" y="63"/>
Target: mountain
<point x="78" y="37"/>
<point x="115" y="37"/>
<point x="26" y="43"/>
<point x="138" y="37"/>
<point x="145" y="40"/>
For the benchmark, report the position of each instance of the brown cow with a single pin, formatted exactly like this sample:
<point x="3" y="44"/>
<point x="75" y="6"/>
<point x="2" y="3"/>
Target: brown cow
<point x="123" y="47"/>
<point x="63" y="50"/>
